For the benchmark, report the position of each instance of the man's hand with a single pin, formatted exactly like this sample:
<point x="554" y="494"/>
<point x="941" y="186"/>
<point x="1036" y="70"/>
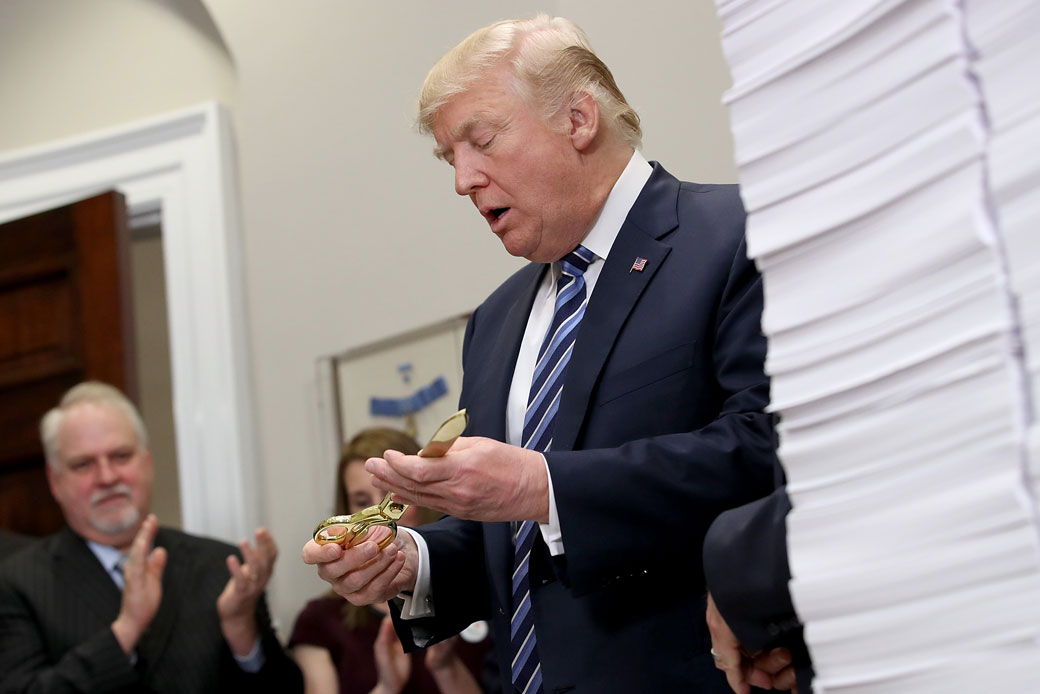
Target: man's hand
<point x="142" y="586"/>
<point x="442" y="654"/>
<point x="393" y="665"/>
<point x="236" y="605"/>
<point x="364" y="574"/>
<point x="767" y="670"/>
<point x="478" y="479"/>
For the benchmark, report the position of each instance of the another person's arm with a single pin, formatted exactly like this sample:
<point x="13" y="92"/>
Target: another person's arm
<point x="319" y="672"/>
<point x="768" y="669"/>
<point x="448" y="670"/>
<point x="393" y="666"/>
<point x="750" y="615"/>
<point x="245" y="622"/>
<point x="441" y="659"/>
<point x="236" y="605"/>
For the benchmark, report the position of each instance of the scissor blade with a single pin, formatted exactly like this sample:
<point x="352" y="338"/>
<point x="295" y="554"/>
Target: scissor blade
<point x="446" y="435"/>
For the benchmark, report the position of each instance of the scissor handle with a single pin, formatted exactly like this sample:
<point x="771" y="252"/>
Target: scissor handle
<point x="388" y="512"/>
<point x="355" y="528"/>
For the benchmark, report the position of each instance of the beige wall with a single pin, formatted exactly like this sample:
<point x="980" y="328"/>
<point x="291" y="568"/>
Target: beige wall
<point x="352" y="231"/>
<point x="67" y="68"/>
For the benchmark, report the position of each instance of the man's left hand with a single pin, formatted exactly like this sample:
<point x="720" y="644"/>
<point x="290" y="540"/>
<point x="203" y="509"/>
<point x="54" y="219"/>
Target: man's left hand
<point x="236" y="605"/>
<point x="478" y="479"/>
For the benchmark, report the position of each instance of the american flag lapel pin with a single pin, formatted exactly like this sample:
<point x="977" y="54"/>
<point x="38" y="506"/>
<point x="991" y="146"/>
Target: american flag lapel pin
<point x="638" y="265"/>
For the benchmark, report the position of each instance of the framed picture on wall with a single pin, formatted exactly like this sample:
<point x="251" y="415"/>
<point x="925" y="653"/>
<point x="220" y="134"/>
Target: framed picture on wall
<point x="409" y="381"/>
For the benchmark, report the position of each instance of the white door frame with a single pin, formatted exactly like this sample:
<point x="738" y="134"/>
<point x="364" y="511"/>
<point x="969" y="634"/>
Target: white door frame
<point x="183" y="165"/>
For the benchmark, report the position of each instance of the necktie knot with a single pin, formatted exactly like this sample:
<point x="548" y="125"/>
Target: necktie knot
<point x="577" y="261"/>
<point x="555" y="351"/>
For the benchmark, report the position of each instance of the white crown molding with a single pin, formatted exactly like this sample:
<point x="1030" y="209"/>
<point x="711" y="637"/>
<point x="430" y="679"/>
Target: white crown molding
<point x="183" y="165"/>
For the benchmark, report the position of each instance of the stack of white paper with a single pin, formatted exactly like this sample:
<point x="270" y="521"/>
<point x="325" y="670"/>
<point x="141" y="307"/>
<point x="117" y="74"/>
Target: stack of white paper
<point x="888" y="155"/>
<point x="1004" y="36"/>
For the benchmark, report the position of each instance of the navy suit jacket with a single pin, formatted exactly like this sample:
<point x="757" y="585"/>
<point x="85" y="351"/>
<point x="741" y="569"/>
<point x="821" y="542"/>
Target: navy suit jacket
<point x="660" y="428"/>
<point x="57" y="604"/>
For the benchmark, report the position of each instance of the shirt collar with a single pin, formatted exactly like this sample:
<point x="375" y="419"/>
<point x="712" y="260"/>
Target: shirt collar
<point x="619" y="203"/>
<point x="106" y="554"/>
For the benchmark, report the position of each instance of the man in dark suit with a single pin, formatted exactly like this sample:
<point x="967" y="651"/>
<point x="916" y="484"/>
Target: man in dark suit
<point x="653" y="422"/>
<point x="754" y="629"/>
<point x="115" y="603"/>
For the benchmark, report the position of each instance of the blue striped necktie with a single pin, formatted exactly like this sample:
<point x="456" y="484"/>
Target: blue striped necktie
<point x="544" y="401"/>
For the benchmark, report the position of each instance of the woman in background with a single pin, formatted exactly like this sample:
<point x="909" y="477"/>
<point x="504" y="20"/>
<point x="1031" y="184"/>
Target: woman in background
<point x="349" y="649"/>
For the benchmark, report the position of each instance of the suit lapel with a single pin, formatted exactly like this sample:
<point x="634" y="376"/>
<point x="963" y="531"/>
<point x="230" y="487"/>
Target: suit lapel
<point x="92" y="585"/>
<point x="488" y="418"/>
<point x="616" y="293"/>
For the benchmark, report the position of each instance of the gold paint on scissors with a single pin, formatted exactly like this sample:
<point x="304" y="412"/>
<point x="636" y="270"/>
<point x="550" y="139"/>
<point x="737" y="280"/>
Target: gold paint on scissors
<point x="348" y="530"/>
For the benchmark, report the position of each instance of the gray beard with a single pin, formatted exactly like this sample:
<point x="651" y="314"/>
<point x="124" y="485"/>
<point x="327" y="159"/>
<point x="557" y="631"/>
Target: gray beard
<point x="114" y="526"/>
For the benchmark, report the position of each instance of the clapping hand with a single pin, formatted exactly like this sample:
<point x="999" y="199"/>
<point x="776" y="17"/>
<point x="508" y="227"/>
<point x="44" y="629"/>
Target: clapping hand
<point x="392" y="663"/>
<point x="142" y="586"/>
<point x="236" y="605"/>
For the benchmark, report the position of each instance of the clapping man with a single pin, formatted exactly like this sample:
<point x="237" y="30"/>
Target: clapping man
<point x="115" y="602"/>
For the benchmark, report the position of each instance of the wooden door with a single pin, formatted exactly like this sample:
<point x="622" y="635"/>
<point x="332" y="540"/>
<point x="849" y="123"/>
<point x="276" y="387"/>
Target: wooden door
<point x="65" y="317"/>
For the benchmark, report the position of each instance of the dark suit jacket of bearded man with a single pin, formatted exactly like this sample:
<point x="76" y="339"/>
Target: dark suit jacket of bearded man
<point x="12" y="542"/>
<point x="57" y="603"/>
<point x="660" y="428"/>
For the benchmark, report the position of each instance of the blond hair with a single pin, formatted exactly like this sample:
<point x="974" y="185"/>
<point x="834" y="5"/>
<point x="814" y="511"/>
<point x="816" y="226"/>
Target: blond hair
<point x="553" y="67"/>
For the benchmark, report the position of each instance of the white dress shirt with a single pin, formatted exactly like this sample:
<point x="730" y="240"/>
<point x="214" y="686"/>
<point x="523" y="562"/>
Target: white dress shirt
<point x="109" y="557"/>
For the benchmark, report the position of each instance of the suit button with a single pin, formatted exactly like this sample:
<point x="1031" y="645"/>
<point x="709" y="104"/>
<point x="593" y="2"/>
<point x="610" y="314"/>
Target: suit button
<point x="502" y="612"/>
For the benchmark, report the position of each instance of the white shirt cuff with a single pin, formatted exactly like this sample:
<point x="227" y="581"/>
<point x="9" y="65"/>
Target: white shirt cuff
<point x="419" y="603"/>
<point x="551" y="531"/>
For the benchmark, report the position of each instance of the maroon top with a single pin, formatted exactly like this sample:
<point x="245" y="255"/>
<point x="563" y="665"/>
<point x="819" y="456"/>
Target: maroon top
<point x="321" y="624"/>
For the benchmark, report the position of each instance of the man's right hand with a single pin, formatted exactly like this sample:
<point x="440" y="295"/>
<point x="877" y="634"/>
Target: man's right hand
<point x="766" y="670"/>
<point x="142" y="586"/>
<point x="364" y="574"/>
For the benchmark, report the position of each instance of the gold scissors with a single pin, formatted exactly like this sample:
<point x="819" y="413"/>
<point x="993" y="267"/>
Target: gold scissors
<point x="346" y="530"/>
